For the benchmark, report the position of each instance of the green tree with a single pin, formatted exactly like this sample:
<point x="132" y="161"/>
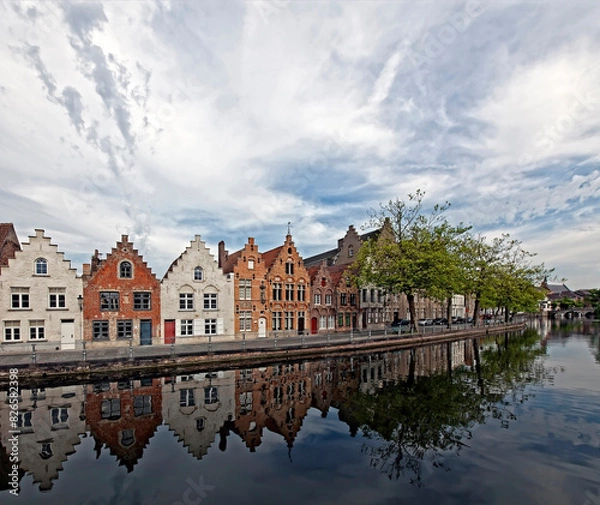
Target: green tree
<point x="414" y="253"/>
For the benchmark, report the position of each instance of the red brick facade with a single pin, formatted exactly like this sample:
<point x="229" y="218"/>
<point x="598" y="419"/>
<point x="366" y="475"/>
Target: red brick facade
<point x="121" y="298"/>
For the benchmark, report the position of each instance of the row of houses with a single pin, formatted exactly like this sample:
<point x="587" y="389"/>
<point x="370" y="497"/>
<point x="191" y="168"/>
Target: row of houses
<point x="123" y="416"/>
<point x="118" y="300"/>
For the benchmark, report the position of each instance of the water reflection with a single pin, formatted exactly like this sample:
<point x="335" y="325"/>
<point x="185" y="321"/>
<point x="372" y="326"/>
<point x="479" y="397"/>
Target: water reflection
<point x="412" y="409"/>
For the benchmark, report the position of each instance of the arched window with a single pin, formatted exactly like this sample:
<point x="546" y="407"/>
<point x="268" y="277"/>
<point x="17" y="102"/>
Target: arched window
<point x="125" y="270"/>
<point x="350" y="251"/>
<point x="41" y="266"/>
<point x="198" y="274"/>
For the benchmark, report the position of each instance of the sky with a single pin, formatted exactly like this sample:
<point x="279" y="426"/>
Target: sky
<point x="229" y="119"/>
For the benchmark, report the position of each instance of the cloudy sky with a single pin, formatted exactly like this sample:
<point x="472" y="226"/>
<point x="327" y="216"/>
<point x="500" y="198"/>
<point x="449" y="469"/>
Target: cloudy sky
<point x="166" y="119"/>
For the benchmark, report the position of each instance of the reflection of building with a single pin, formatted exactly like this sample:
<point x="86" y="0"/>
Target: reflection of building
<point x="196" y="297"/>
<point x="196" y="407"/>
<point x="124" y="416"/>
<point x="121" y="298"/>
<point x="38" y="296"/>
<point x="50" y="423"/>
<point x="276" y="398"/>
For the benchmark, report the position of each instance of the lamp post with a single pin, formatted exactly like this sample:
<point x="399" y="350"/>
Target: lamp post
<point x="80" y="304"/>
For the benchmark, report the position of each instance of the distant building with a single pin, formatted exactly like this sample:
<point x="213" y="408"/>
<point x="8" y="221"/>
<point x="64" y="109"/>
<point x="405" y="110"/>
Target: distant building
<point x="121" y="298"/>
<point x="39" y="293"/>
<point x="9" y="243"/>
<point x="196" y="298"/>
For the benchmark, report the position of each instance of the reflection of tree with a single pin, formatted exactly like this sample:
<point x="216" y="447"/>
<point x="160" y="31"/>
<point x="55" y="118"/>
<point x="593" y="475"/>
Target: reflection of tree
<point x="418" y="421"/>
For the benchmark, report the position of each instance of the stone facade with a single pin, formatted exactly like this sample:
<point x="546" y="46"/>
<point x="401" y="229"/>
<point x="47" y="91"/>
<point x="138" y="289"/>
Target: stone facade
<point x="121" y="299"/>
<point x="39" y="297"/>
<point x="196" y="298"/>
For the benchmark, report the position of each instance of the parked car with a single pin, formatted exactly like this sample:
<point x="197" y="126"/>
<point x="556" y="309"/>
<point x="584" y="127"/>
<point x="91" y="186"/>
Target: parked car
<point x="458" y="320"/>
<point x="425" y="322"/>
<point x="440" y="320"/>
<point x="397" y="325"/>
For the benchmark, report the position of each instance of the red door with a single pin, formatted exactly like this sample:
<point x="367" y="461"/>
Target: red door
<point x="170" y="331"/>
<point x="313" y="325"/>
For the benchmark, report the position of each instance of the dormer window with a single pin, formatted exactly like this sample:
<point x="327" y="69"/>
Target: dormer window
<point x="125" y="270"/>
<point x="198" y="274"/>
<point x="41" y="266"/>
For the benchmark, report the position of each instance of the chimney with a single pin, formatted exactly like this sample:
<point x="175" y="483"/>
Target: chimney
<point x="222" y="254"/>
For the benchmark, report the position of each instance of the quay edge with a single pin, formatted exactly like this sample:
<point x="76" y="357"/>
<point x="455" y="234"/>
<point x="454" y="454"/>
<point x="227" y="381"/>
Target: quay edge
<point x="126" y="368"/>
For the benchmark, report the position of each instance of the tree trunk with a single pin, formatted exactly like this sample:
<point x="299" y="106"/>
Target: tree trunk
<point x="413" y="314"/>
<point x="476" y="310"/>
<point x="449" y="312"/>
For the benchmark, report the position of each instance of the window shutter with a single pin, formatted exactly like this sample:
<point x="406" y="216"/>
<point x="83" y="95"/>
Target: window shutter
<point x="220" y="326"/>
<point x="178" y="327"/>
<point x="198" y="326"/>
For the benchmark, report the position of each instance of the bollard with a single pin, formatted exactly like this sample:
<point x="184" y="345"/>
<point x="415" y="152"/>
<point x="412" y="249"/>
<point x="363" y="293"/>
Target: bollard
<point x="244" y="342"/>
<point x="302" y="340"/>
<point x="172" y="349"/>
<point x="369" y="336"/>
<point x="130" y="350"/>
<point x="84" y="352"/>
<point x="209" y="344"/>
<point x="33" y="355"/>
<point x="328" y="339"/>
<point x="275" y="341"/>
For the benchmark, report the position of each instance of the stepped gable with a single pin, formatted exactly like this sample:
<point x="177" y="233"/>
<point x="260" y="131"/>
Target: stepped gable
<point x="197" y="240"/>
<point x="9" y="243"/>
<point x="39" y="234"/>
<point x="270" y="256"/>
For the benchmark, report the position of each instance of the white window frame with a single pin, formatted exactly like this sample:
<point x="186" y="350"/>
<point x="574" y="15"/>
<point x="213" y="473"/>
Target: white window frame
<point x="12" y="331"/>
<point x="57" y="298"/>
<point x="210" y="301"/>
<point x="38" y="264"/>
<point x="188" y="301"/>
<point x="19" y="299"/>
<point x="39" y="330"/>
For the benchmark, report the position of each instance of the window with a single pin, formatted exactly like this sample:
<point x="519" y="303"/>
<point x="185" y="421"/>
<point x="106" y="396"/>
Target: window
<point x="340" y="320"/>
<point x="276" y="320"/>
<point x="141" y="300"/>
<point x="127" y="437"/>
<point x="210" y="326"/>
<point x="36" y="330"/>
<point x="343" y="299"/>
<point x="350" y="251"/>
<point x="245" y="289"/>
<point x="198" y="274"/>
<point x="348" y="318"/>
<point x="246" y="320"/>
<point x="142" y="405"/>
<point x="186" y="301"/>
<point x="301" y="292"/>
<point x="317" y="299"/>
<point x="57" y="298"/>
<point x="331" y="323"/>
<point x="250" y="264"/>
<point x="12" y="331"/>
<point x="353" y="299"/>
<point x="289" y="320"/>
<point x="125" y="270"/>
<point x="100" y="330"/>
<point x="277" y="291"/>
<point x="328" y="299"/>
<point x="289" y="268"/>
<point x="322" y="322"/>
<point x="109" y="300"/>
<point x="19" y="298"/>
<point x="200" y="423"/>
<point x="372" y="296"/>
<point x="211" y="395"/>
<point x="41" y="266"/>
<point x="186" y="398"/>
<point x="24" y="421"/>
<point x="364" y="295"/>
<point x="59" y="416"/>
<point x="187" y="327"/>
<point x="111" y="409"/>
<point x="210" y="301"/>
<point x="46" y="450"/>
<point x="289" y="292"/>
<point x="124" y="328"/>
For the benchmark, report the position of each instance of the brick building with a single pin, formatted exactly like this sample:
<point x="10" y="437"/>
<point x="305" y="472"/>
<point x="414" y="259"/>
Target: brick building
<point x="288" y="288"/>
<point x="121" y="298"/>
<point x="249" y="289"/>
<point x="9" y="243"/>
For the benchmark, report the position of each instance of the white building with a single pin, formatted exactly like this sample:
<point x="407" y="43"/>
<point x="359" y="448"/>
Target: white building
<point x="196" y="298"/>
<point x="39" y="293"/>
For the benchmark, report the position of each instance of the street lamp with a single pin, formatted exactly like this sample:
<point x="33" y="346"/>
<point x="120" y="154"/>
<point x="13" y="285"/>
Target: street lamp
<point x="80" y="304"/>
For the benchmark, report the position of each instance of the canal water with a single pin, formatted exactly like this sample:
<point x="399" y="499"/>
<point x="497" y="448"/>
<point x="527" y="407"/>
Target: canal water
<point x="506" y="419"/>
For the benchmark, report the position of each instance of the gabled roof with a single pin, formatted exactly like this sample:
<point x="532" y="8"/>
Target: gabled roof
<point x="231" y="261"/>
<point x="328" y="256"/>
<point x="9" y="243"/>
<point x="270" y="256"/>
